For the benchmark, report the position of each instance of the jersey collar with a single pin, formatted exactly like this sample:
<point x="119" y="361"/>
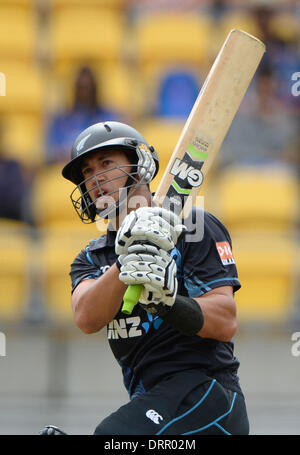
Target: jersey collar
<point x="107" y="240"/>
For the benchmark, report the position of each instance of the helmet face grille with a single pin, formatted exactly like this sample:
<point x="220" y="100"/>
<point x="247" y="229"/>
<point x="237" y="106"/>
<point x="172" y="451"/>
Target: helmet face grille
<point x="114" y="200"/>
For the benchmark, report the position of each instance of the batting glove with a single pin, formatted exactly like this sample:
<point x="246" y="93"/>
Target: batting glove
<point x="156" y="270"/>
<point x="152" y="225"/>
<point x="146" y="164"/>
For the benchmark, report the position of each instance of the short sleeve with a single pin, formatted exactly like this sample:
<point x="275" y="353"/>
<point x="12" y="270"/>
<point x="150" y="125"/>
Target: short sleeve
<point x="209" y="263"/>
<point x="83" y="268"/>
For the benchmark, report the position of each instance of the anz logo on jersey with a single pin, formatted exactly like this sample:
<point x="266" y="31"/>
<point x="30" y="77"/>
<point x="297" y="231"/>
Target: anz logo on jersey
<point x="132" y="326"/>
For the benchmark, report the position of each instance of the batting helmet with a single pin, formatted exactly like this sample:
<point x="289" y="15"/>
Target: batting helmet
<point x="105" y="136"/>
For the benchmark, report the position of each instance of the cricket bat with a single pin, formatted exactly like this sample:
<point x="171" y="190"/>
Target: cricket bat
<point x="205" y="129"/>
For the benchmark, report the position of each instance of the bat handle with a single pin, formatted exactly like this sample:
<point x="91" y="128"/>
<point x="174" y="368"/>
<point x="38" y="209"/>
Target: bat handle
<point x="131" y="297"/>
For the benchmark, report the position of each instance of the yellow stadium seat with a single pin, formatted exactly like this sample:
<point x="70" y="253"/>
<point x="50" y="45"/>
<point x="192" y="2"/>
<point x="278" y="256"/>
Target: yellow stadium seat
<point x="85" y="36"/>
<point x="242" y="20"/>
<point x="58" y="248"/>
<point x="27" y="4"/>
<point x="23" y="138"/>
<point x="286" y="27"/>
<point x="18" y="36"/>
<point x="23" y="87"/>
<point x="267" y="267"/>
<point x="111" y="4"/>
<point x="52" y="207"/>
<point x="14" y="270"/>
<point x="51" y="198"/>
<point x="172" y="37"/>
<point x="117" y="87"/>
<point x="235" y="19"/>
<point x="163" y="135"/>
<point x="258" y="198"/>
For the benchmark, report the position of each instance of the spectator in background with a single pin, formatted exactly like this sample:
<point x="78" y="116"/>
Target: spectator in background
<point x="13" y="187"/>
<point x="281" y="34"/>
<point x="138" y="8"/>
<point x="218" y="8"/>
<point x="263" y="130"/>
<point x="293" y="151"/>
<point x="86" y="110"/>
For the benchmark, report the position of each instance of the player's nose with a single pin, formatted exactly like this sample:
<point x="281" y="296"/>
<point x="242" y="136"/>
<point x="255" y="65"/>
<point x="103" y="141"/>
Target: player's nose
<point x="99" y="176"/>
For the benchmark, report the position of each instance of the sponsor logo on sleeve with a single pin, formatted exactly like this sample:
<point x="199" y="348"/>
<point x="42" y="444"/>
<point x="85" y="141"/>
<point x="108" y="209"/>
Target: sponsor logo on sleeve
<point x="225" y="253"/>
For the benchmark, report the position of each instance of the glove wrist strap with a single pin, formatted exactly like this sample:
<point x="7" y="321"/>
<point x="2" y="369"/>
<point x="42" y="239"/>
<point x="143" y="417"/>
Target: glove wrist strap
<point x="118" y="263"/>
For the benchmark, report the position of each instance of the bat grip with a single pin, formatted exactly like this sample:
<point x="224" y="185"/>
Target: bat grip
<point x="131" y="297"/>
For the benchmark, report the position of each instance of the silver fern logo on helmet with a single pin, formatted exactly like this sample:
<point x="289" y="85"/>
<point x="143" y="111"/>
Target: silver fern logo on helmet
<point x="81" y="143"/>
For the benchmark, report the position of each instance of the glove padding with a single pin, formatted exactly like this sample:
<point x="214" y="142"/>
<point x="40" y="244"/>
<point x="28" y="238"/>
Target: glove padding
<point x="156" y="270"/>
<point x="151" y="225"/>
<point x="146" y="165"/>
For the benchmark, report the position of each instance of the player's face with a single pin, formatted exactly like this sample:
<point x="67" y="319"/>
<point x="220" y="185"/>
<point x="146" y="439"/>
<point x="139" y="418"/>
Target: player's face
<point x="104" y="173"/>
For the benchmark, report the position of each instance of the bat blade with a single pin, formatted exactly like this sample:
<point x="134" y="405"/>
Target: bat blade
<point x="206" y="127"/>
<point x="209" y="120"/>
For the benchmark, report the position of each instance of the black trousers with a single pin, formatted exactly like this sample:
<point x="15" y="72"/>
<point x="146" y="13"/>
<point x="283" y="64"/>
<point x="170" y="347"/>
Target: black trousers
<point x="187" y="403"/>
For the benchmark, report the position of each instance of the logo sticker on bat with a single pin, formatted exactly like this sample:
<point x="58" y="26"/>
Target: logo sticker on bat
<point x="188" y="169"/>
<point x="187" y="172"/>
<point x="181" y="169"/>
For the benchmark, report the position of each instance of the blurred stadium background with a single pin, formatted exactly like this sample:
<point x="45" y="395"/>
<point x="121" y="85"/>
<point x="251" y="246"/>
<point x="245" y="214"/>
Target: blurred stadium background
<point x="142" y="53"/>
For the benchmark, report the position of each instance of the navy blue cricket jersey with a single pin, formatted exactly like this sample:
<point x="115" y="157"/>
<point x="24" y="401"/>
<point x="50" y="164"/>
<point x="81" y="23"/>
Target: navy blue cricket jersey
<point x="145" y="346"/>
